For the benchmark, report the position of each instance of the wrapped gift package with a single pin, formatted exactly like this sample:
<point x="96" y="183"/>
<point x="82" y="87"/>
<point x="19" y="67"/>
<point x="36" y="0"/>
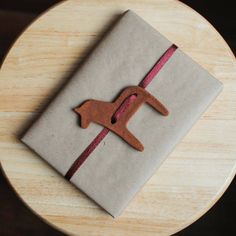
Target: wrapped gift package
<point x="122" y="113"/>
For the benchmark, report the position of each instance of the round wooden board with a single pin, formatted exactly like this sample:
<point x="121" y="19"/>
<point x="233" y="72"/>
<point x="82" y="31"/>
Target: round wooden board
<point x="194" y="176"/>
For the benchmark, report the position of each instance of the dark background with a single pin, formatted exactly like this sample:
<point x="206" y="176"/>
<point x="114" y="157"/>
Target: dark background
<point x="15" y="218"/>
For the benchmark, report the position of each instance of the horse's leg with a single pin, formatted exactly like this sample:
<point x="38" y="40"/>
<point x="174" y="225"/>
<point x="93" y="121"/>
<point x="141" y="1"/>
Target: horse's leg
<point x="125" y="134"/>
<point x="156" y="104"/>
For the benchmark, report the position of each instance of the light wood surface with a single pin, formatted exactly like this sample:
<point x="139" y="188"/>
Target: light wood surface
<point x="194" y="176"/>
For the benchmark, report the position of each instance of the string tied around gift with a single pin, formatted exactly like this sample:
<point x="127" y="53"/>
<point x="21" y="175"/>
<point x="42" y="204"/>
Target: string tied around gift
<point x="118" y="114"/>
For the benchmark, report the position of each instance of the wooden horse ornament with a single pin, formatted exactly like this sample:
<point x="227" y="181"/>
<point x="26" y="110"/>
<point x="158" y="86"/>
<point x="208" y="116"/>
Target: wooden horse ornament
<point x="115" y="115"/>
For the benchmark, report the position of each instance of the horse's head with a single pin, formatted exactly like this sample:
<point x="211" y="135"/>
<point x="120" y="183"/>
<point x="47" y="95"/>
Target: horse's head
<point x="84" y="112"/>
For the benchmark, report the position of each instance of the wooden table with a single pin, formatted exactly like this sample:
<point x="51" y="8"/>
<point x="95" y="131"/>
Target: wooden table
<point x="194" y="176"/>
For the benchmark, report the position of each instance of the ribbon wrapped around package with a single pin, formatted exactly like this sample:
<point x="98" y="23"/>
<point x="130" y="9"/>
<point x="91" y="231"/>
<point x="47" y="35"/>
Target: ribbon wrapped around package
<point x="107" y="157"/>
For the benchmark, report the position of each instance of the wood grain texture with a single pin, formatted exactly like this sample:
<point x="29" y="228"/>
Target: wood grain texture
<point x="189" y="182"/>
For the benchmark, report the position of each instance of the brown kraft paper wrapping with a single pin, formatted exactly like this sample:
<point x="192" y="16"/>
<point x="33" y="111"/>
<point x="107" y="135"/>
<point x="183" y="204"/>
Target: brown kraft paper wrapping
<point x="114" y="172"/>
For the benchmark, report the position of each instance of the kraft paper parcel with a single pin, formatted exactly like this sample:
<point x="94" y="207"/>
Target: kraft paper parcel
<point x="114" y="172"/>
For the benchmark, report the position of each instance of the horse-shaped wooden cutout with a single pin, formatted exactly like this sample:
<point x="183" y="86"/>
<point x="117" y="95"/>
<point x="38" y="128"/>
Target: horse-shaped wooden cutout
<point x="115" y="115"/>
